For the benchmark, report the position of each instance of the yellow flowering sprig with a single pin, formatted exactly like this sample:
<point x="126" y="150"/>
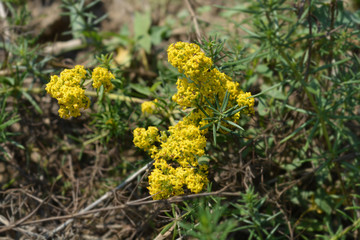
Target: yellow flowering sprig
<point x="102" y="76"/>
<point x="69" y="89"/>
<point x="204" y="85"/>
<point x="177" y="152"/>
<point x="201" y="80"/>
<point x="176" y="164"/>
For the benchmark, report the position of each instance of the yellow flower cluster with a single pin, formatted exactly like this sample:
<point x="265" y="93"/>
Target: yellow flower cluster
<point x="149" y="107"/>
<point x="176" y="163"/>
<point x="67" y="90"/>
<point x="176" y="151"/>
<point x="101" y="76"/>
<point x="189" y="59"/>
<point x="201" y="80"/>
<point x="146" y="139"/>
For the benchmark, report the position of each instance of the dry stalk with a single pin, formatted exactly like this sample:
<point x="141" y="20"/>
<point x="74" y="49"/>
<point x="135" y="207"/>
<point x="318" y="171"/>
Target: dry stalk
<point x="194" y="19"/>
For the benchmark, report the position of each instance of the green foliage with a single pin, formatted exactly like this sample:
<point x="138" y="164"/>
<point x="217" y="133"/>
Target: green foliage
<point x="83" y="22"/>
<point x="220" y="115"/>
<point x="142" y="23"/>
<point x="6" y="120"/>
<point x="311" y="67"/>
<point x="109" y="122"/>
<point x="18" y="11"/>
<point x="208" y="220"/>
<point x="251" y="217"/>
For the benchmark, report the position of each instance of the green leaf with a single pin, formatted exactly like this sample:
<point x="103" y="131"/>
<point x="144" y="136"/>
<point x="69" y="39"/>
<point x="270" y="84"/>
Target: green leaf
<point x="218" y="124"/>
<point x="225" y="101"/>
<point x="100" y="19"/>
<point x="158" y="33"/>
<point x="225" y="128"/>
<point x="311" y="135"/>
<point x="208" y="101"/>
<point x="155" y="85"/>
<point x="9" y="122"/>
<point x="91" y="4"/>
<point x="232" y="111"/>
<point x="7" y="80"/>
<point x="275" y="92"/>
<point x="269" y="89"/>
<point x="214" y="134"/>
<point x="322" y="203"/>
<point x="32" y="101"/>
<point x="233" y="124"/>
<point x="330" y="65"/>
<point x="210" y="118"/>
<point x="217" y="102"/>
<point x="142" y="23"/>
<point x="214" y="109"/>
<point x="167" y="227"/>
<point x="252" y="34"/>
<point x="203" y="110"/>
<point x="344" y="215"/>
<point x="140" y="88"/>
<point x="204" y="159"/>
<point x="300" y="110"/>
<point x="297" y="130"/>
<point x="245" y="60"/>
<point x="206" y="126"/>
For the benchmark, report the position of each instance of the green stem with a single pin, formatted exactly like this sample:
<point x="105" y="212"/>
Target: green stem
<point x="266" y="90"/>
<point x="95" y="138"/>
<point x="33" y="90"/>
<point x="114" y="96"/>
<point x="86" y="83"/>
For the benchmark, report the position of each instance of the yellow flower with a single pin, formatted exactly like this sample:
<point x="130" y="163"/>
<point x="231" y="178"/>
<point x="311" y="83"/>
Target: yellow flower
<point x="101" y="76"/>
<point x="73" y="98"/>
<point x="187" y="93"/>
<point x="183" y="145"/>
<point x="149" y="107"/>
<point x="145" y="139"/>
<point x="188" y="59"/>
<point x="245" y="99"/>
<point x="196" y="182"/>
<point x="67" y="90"/>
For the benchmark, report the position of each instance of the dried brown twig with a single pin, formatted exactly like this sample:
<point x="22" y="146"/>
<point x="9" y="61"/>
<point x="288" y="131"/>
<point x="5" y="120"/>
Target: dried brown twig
<point x="86" y="211"/>
<point x="194" y="19"/>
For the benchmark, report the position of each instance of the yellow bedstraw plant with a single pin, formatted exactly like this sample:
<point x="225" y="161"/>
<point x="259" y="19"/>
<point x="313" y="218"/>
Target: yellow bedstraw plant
<point x="176" y="151"/>
<point x="68" y="89"/>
